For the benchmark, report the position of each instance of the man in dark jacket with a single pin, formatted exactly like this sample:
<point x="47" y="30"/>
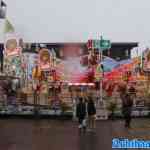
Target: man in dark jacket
<point x="127" y="104"/>
<point x="91" y="112"/>
<point x="81" y="112"/>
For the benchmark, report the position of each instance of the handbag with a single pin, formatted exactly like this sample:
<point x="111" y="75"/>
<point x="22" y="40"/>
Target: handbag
<point x="84" y="123"/>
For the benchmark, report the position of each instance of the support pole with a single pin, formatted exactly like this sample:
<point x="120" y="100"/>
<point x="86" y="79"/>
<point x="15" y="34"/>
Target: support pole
<point x="101" y="82"/>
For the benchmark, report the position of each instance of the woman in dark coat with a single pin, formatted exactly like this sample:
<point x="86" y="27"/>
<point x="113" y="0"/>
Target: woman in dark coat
<point x="91" y="112"/>
<point x="127" y="104"/>
<point x="81" y="112"/>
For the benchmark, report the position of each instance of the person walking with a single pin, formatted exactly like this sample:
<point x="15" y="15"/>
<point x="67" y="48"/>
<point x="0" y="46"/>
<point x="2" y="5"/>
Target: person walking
<point x="81" y="113"/>
<point x="132" y="92"/>
<point x="127" y="104"/>
<point x="91" y="109"/>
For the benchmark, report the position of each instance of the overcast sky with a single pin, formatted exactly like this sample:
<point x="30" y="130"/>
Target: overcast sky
<point x="79" y="20"/>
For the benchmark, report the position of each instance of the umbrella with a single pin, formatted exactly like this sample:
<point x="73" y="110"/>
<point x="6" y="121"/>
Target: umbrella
<point x="109" y="64"/>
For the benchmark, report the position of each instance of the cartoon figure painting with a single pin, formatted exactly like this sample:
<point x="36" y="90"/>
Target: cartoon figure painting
<point x="147" y="61"/>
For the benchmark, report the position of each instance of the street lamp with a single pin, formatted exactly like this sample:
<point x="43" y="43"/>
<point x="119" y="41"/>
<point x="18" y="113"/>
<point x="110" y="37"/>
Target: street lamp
<point x="3" y="8"/>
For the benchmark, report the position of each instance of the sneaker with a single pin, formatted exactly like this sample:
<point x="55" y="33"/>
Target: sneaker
<point x="80" y="126"/>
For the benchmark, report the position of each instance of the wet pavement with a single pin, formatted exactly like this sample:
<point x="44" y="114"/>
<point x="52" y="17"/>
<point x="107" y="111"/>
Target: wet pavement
<point x="27" y="134"/>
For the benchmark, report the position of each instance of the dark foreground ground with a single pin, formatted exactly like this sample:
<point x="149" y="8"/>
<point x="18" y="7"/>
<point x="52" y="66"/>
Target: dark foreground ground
<point x="23" y="134"/>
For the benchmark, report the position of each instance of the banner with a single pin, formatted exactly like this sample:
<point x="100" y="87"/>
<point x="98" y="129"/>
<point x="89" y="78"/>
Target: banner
<point x="29" y="61"/>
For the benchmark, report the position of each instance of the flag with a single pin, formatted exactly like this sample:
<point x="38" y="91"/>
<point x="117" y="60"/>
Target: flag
<point x="8" y="28"/>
